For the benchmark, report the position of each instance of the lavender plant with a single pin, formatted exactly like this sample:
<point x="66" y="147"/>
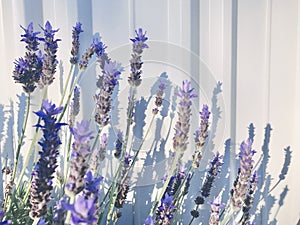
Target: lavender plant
<point x="72" y="189"/>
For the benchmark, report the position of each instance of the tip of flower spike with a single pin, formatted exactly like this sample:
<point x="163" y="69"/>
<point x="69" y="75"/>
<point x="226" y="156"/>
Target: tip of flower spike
<point x="140" y="36"/>
<point x="113" y="67"/>
<point x="78" y="28"/>
<point x="51" y="108"/>
<point x="186" y="90"/>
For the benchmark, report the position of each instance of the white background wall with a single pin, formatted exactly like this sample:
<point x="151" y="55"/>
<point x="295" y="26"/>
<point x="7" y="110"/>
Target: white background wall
<point x="251" y="46"/>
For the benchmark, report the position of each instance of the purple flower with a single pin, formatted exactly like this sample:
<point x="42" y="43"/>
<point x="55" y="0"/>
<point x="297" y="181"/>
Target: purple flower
<point x="42" y="222"/>
<point x="60" y="212"/>
<point x="75" y="105"/>
<point x="164" y="213"/>
<point x="30" y="38"/>
<point x="50" y="62"/>
<point x="159" y="96"/>
<point x="249" y="198"/>
<point x="102" y="150"/>
<point x="123" y="187"/>
<point x="6" y="222"/>
<point x="182" y="126"/>
<point x="215" y="207"/>
<point x="28" y="70"/>
<point x="96" y="47"/>
<point x="92" y="184"/>
<point x="149" y="221"/>
<point x="201" y="135"/>
<point x="82" y="211"/>
<point x="136" y="62"/>
<point x="75" y="43"/>
<point x="139" y="41"/>
<point x="81" y="149"/>
<point x="119" y="144"/>
<point x="103" y="99"/>
<point x="211" y="175"/>
<point x="238" y="193"/>
<point x="41" y="185"/>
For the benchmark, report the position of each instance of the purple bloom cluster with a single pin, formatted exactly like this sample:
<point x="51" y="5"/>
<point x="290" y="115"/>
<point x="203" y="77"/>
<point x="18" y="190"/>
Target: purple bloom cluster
<point x="238" y="193"/>
<point x="75" y="105"/>
<point x="111" y="72"/>
<point x="136" y="63"/>
<point x="41" y="185"/>
<point x="164" y="213"/>
<point x="28" y="70"/>
<point x="249" y="198"/>
<point x="182" y="127"/>
<point x="123" y="187"/>
<point x="50" y="62"/>
<point x="97" y="47"/>
<point x="200" y="135"/>
<point x="159" y="96"/>
<point x="84" y="209"/>
<point x="215" y="165"/>
<point x="2" y="213"/>
<point x="215" y="207"/>
<point x="119" y="144"/>
<point x="175" y="181"/>
<point x="60" y="212"/>
<point x="75" y="43"/>
<point x="79" y="157"/>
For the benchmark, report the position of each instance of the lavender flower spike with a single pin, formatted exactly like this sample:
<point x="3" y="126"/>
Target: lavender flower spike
<point x="97" y="47"/>
<point x="82" y="211"/>
<point x="29" y="69"/>
<point x="159" y="96"/>
<point x="182" y="126"/>
<point x="79" y="156"/>
<point x="238" y="193"/>
<point x="215" y="211"/>
<point x="75" y="43"/>
<point x="75" y="105"/>
<point x="164" y="213"/>
<point x="201" y="135"/>
<point x="50" y="62"/>
<point x="41" y="185"/>
<point x="136" y="62"/>
<point x="111" y="71"/>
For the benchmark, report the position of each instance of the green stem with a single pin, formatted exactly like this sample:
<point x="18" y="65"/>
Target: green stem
<point x="129" y="117"/>
<point x="66" y="85"/>
<point x="67" y="159"/>
<point x="21" y="138"/>
<point x="33" y="142"/>
<point x="69" y="96"/>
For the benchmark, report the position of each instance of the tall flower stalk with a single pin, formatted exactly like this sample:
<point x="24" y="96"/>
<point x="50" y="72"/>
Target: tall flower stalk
<point x="79" y="158"/>
<point x="238" y="193"/>
<point x="49" y="60"/>
<point x="27" y="71"/>
<point x="41" y="185"/>
<point x="180" y="139"/>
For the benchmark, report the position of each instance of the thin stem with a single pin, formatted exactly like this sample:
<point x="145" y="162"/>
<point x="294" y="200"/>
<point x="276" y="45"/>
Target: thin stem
<point x="66" y="85"/>
<point x="129" y="117"/>
<point x="69" y="96"/>
<point x="67" y="159"/>
<point x="33" y="143"/>
<point x="21" y="138"/>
